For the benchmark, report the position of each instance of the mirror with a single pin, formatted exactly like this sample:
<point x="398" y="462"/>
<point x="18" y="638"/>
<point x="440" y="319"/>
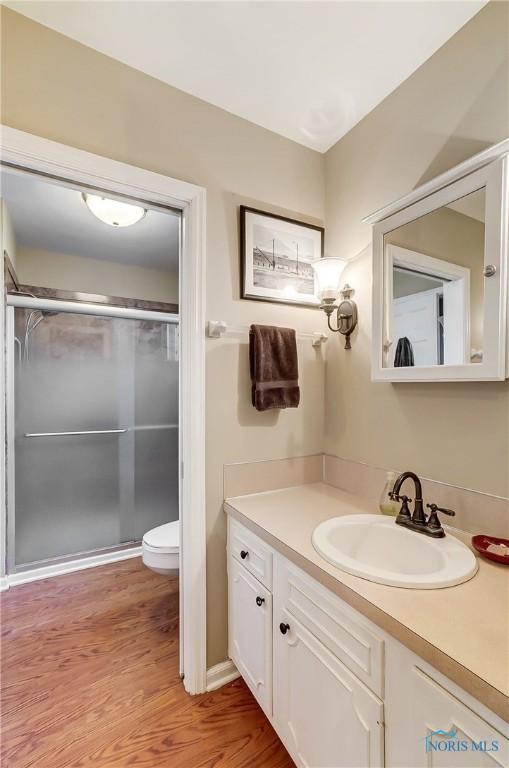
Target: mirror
<point x="440" y="258"/>
<point x="435" y="286"/>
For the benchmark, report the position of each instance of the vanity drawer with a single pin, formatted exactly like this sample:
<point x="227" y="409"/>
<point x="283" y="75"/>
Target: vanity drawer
<point x="251" y="551"/>
<point x="351" y="639"/>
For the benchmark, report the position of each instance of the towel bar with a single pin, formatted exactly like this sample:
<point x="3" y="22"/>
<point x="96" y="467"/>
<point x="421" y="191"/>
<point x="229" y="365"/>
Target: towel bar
<point x="218" y="328"/>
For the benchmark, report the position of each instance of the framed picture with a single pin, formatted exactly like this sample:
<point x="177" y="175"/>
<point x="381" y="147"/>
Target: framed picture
<point x="276" y="255"/>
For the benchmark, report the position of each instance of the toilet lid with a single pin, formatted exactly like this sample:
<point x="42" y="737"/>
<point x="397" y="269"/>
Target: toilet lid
<point x="164" y="538"/>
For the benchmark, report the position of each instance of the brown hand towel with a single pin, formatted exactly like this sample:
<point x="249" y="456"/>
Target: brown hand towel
<point x="274" y="367"/>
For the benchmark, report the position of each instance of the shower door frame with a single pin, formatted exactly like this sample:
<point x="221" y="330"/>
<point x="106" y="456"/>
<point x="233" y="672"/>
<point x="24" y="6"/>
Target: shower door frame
<point x="76" y="167"/>
<point x="80" y="559"/>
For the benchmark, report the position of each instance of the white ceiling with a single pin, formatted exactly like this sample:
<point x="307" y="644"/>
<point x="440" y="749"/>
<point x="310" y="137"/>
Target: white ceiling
<point x="306" y="70"/>
<point x="49" y="217"/>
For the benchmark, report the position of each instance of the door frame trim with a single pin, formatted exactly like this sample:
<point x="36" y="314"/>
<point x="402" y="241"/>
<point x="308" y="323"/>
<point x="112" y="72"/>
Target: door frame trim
<point x="35" y="154"/>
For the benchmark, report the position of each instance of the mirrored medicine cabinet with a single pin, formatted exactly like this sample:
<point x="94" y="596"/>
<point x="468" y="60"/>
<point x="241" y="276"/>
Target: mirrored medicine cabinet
<point x="440" y="276"/>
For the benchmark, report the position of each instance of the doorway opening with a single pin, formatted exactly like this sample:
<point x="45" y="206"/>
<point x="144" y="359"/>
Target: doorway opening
<point x="92" y="399"/>
<point x="105" y="331"/>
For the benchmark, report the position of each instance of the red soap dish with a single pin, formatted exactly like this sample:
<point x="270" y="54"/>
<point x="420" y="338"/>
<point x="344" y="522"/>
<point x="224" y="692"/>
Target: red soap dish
<point x="481" y="544"/>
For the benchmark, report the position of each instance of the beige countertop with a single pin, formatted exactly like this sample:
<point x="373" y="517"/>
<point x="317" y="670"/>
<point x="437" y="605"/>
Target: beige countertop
<point x="462" y="631"/>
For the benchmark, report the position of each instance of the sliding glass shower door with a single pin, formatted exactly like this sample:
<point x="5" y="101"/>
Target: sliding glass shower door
<point x="96" y="432"/>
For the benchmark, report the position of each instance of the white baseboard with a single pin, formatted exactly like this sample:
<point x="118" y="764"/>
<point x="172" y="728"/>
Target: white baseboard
<point x="4" y="583"/>
<point x="221" y="674"/>
<point x="58" y="569"/>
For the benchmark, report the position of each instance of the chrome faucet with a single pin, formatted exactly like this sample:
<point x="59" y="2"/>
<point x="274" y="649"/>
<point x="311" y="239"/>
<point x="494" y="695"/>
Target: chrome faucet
<point x="417" y="520"/>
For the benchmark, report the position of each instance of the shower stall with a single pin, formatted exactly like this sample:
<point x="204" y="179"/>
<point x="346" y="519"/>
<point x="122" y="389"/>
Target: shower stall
<point x="93" y="428"/>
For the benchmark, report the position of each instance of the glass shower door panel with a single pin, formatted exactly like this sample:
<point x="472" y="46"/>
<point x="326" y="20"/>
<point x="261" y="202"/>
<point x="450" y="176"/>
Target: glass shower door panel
<point x="115" y="383"/>
<point x="67" y="487"/>
<point x="156" y="446"/>
<point x="68" y="500"/>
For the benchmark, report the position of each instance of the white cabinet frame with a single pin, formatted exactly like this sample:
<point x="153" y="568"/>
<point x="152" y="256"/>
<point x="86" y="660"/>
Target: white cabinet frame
<point x="376" y="677"/>
<point x="488" y="170"/>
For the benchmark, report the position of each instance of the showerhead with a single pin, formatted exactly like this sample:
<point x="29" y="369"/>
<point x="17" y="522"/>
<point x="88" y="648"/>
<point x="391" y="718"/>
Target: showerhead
<point x="31" y="326"/>
<point x="43" y="313"/>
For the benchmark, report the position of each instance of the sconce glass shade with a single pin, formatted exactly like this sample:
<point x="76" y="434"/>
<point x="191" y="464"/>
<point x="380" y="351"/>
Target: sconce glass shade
<point x="328" y="273"/>
<point x="113" y="212"/>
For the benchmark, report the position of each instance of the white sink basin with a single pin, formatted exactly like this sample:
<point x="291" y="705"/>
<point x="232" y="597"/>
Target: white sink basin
<point x="375" y="548"/>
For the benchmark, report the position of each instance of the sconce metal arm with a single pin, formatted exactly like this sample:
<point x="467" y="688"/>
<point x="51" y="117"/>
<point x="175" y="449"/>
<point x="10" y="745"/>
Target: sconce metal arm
<point x="346" y="314"/>
<point x="334" y="330"/>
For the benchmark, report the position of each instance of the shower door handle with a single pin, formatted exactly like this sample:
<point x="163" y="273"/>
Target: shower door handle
<point x="82" y="432"/>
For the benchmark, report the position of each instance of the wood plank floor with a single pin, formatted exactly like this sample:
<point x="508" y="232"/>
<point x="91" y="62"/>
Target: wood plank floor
<point x="90" y="680"/>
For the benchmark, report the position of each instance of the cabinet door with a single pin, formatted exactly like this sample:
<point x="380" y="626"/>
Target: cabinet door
<point x="466" y="740"/>
<point x="250" y="632"/>
<point x="348" y="635"/>
<point x="324" y="715"/>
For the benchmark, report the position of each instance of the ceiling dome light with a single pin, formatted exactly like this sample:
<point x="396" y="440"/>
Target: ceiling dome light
<point x="113" y="212"/>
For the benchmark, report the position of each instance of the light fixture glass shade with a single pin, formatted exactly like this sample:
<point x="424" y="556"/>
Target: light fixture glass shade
<point x="114" y="212"/>
<point x="328" y="273"/>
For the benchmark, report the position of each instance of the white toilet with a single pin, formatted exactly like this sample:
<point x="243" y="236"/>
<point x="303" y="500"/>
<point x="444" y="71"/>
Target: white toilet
<point x="160" y="548"/>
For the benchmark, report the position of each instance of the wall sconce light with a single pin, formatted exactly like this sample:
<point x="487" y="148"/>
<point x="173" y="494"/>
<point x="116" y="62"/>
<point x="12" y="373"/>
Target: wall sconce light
<point x="328" y="273"/>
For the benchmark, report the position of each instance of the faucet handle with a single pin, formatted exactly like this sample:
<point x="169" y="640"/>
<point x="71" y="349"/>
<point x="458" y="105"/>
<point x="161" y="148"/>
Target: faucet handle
<point x="433" y="522"/>
<point x="404" y="513"/>
<point x="434" y="509"/>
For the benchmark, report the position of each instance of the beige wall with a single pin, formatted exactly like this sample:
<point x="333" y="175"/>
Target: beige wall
<point x="453" y="106"/>
<point x="56" y="88"/>
<point x="451" y="236"/>
<point x="77" y="273"/>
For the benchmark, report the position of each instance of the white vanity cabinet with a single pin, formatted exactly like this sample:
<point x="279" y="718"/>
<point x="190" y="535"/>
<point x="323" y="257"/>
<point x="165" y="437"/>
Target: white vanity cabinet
<point x="339" y="691"/>
<point x="420" y="701"/>
<point x="250" y="632"/>
<point x="323" y="714"/>
<point x="299" y="654"/>
<point x="326" y="661"/>
<point x="250" y="611"/>
<point x="433" y="708"/>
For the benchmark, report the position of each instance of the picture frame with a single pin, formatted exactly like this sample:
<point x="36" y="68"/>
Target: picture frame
<point x="275" y="256"/>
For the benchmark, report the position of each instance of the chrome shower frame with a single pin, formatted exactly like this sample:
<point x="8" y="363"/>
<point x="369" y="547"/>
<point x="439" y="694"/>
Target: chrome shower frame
<point x="53" y="306"/>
